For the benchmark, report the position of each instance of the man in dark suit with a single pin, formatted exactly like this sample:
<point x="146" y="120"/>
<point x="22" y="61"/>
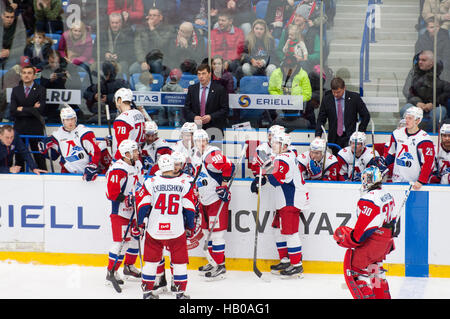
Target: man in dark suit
<point x="341" y="108"/>
<point x="206" y="103"/>
<point x="27" y="107"/>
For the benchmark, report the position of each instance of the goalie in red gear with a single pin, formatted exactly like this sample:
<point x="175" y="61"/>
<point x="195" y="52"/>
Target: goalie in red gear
<point x="370" y="241"/>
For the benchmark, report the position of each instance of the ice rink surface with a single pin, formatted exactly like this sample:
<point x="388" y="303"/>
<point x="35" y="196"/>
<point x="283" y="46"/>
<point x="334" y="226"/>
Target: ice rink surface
<point x="29" y="281"/>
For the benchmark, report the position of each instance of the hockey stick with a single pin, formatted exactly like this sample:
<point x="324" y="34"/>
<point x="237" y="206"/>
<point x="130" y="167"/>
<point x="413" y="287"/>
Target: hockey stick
<point x="255" y="251"/>
<point x="396" y="232"/>
<point x="373" y="138"/>
<point x="325" y="152"/>
<point x="354" y="153"/>
<point x="137" y="223"/>
<point x="111" y="272"/>
<point x="108" y="120"/>
<point x="210" y="231"/>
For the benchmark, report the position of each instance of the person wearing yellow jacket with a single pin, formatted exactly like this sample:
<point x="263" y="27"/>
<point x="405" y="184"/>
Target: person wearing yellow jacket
<point x="290" y="79"/>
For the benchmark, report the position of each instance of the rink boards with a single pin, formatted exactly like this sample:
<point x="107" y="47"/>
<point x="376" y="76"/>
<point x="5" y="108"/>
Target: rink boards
<point x="60" y="219"/>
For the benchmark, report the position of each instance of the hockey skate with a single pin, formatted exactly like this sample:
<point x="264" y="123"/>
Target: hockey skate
<point x="113" y="278"/>
<point x="161" y="286"/>
<point x="130" y="272"/>
<point x="217" y="273"/>
<point x="150" y="294"/>
<point x="282" y="265"/>
<point x="204" y="269"/>
<point x="182" y="295"/>
<point x="292" y="272"/>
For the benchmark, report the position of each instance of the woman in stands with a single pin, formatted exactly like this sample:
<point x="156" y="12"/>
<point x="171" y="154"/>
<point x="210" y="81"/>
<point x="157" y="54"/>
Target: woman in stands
<point x="76" y="45"/>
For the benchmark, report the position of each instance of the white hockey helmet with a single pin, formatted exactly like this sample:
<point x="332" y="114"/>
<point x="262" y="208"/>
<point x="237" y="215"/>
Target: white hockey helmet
<point x="178" y="157"/>
<point x="188" y="127"/>
<point x="445" y="129"/>
<point x="318" y="144"/>
<point x="125" y="94"/>
<point x="67" y="113"/>
<point x="283" y="138"/>
<point x="150" y="127"/>
<point x="415" y="111"/>
<point x="275" y="129"/>
<point x="200" y="135"/>
<point x="359" y="137"/>
<point x="166" y="163"/>
<point x="127" y="146"/>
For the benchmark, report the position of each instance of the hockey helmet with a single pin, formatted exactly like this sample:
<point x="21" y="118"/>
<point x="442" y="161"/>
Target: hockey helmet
<point x="166" y="163"/>
<point x="200" y="135"/>
<point x="188" y="127"/>
<point x="150" y="127"/>
<point x="67" y="113"/>
<point x="358" y="137"/>
<point x="415" y="111"/>
<point x="127" y="146"/>
<point x="445" y="129"/>
<point x="126" y="95"/>
<point x="318" y="144"/>
<point x="370" y="177"/>
<point x="283" y="138"/>
<point x="179" y="157"/>
<point x="274" y="129"/>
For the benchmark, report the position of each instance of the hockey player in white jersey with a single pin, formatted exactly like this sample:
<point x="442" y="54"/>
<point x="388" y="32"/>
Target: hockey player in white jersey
<point x="263" y="152"/>
<point x="186" y="146"/>
<point x="358" y="153"/>
<point x="317" y="164"/>
<point x="412" y="151"/>
<point x="370" y="240"/>
<point x="75" y="145"/>
<point x="212" y="183"/>
<point x="291" y="198"/>
<point x="124" y="176"/>
<point x="152" y="148"/>
<point x="167" y="200"/>
<point x="129" y="124"/>
<point x="441" y="174"/>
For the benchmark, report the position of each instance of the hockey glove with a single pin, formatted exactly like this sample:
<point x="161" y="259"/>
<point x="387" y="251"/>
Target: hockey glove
<point x="254" y="185"/>
<point x="343" y="237"/>
<point x="224" y="193"/>
<point x="129" y="201"/>
<point x="90" y="172"/>
<point x="137" y="231"/>
<point x="379" y="162"/>
<point x="315" y="168"/>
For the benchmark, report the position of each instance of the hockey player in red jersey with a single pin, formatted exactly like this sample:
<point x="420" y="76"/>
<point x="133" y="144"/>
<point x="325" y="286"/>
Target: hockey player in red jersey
<point x="370" y="240"/>
<point x="129" y="124"/>
<point x="412" y="151"/>
<point x="441" y="174"/>
<point x="291" y="198"/>
<point x="168" y="201"/>
<point x="124" y="176"/>
<point x="75" y="145"/>
<point x="216" y="171"/>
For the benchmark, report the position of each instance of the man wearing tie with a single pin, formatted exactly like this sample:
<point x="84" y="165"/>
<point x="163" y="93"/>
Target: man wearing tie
<point x="206" y="103"/>
<point x="341" y="108"/>
<point x="27" y="106"/>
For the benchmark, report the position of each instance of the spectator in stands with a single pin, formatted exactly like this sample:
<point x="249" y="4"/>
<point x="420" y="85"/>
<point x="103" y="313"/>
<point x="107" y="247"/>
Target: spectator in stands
<point x="28" y="103"/>
<point x="342" y="109"/>
<point x="13" y="39"/>
<point x="195" y="11"/>
<point x="23" y="8"/>
<point x="442" y="12"/>
<point x="311" y="39"/>
<point x="259" y="56"/>
<point x="9" y="80"/>
<point x="116" y="44"/>
<point x="11" y="144"/>
<point x="144" y="82"/>
<point x="188" y="66"/>
<point x="60" y="74"/>
<point x="418" y="90"/>
<point x="290" y="79"/>
<point x="188" y="44"/>
<point x="227" y="40"/>
<point x="278" y="14"/>
<point x="132" y="11"/>
<point x="426" y="42"/>
<point x="206" y="103"/>
<point x="109" y="84"/>
<point x="155" y="34"/>
<point x="75" y="45"/>
<point x="86" y="11"/>
<point x="295" y="45"/>
<point x="48" y="16"/>
<point x="220" y="75"/>
<point x="168" y="9"/>
<point x="38" y="48"/>
<point x="173" y="86"/>
<point x="155" y="61"/>
<point x="241" y="10"/>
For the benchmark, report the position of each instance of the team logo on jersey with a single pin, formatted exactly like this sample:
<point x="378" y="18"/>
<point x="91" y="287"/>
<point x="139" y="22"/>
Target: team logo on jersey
<point x="405" y="160"/>
<point x="244" y="101"/>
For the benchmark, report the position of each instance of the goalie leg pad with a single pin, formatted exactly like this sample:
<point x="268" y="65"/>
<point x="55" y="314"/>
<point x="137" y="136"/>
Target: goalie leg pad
<point x="358" y="288"/>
